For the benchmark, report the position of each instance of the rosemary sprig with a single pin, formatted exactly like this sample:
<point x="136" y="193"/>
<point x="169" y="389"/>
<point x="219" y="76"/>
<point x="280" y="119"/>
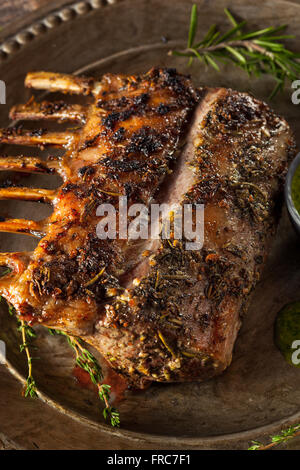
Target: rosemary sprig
<point x="284" y="436"/>
<point x="27" y="334"/>
<point x="87" y="361"/>
<point x="257" y="53"/>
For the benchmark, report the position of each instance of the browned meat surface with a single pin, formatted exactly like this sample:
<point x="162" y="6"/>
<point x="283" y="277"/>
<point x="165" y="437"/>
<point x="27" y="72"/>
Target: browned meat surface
<point x="155" y="311"/>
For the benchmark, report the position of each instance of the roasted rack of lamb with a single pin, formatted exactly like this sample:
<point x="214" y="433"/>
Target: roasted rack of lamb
<point x="156" y="312"/>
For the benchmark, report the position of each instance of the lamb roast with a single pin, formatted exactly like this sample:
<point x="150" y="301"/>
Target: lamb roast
<point x="153" y="309"/>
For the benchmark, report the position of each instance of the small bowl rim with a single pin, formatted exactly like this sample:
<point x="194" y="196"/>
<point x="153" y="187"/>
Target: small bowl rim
<point x="288" y="190"/>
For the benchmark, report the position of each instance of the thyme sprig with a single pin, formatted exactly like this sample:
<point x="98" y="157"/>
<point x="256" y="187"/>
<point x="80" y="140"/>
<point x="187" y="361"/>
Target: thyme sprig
<point x="28" y="334"/>
<point x="87" y="361"/>
<point x="284" y="436"/>
<point x="84" y="359"/>
<point x="258" y="52"/>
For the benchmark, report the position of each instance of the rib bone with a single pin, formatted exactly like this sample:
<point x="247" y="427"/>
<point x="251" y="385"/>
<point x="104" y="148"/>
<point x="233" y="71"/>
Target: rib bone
<point x="28" y="227"/>
<point x="25" y="165"/>
<point x="60" y="82"/>
<point x="55" y="139"/>
<point x="28" y="194"/>
<point x="51" y="111"/>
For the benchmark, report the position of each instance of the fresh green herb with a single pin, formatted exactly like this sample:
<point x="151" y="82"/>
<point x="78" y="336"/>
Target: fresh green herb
<point x="86" y="361"/>
<point x="257" y="52"/>
<point x="284" y="436"/>
<point x="193" y="26"/>
<point x="27" y="335"/>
